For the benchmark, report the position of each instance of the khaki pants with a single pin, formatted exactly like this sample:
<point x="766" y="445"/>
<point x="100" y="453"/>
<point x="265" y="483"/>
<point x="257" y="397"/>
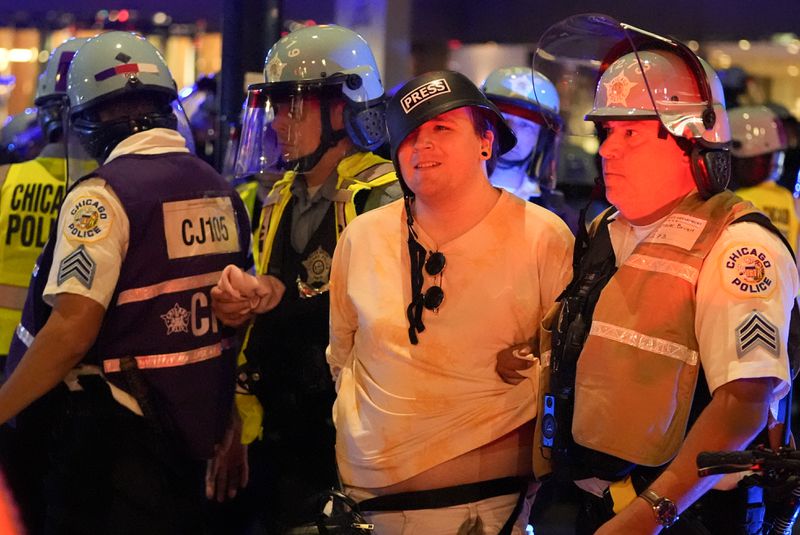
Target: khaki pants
<point x="485" y="517"/>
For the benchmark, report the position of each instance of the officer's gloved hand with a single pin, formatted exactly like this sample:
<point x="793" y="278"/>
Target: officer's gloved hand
<point x="513" y="359"/>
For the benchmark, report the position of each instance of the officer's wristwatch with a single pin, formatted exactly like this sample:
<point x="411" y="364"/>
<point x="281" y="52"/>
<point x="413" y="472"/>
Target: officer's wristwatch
<point x="665" y="510"/>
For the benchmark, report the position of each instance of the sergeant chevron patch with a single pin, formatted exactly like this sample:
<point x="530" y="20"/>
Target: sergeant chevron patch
<point x="756" y="331"/>
<point x="77" y="264"/>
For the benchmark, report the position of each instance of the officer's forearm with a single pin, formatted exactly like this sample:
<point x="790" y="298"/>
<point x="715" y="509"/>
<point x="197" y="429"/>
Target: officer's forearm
<point x="735" y="415"/>
<point x="59" y="346"/>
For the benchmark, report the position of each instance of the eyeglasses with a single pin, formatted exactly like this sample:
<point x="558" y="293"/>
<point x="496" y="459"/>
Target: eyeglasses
<point x="434" y="263"/>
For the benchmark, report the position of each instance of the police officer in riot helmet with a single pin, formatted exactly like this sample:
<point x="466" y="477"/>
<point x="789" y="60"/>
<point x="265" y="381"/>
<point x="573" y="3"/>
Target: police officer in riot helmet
<point x="758" y="154"/>
<point x="130" y="333"/>
<point x="679" y="277"/>
<point x="529" y="169"/>
<point x="314" y="120"/>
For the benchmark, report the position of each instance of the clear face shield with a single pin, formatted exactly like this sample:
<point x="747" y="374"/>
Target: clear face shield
<point x="183" y="127"/>
<point x="538" y="133"/>
<point x="527" y="132"/>
<point x="607" y="70"/>
<point x="285" y="125"/>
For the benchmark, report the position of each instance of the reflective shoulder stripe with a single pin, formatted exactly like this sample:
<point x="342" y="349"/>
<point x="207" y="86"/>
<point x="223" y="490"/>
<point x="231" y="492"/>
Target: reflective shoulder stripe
<point x="371" y="173"/>
<point x="24" y="335"/>
<point x="342" y="195"/>
<point x="171" y="286"/>
<point x="662" y="265"/>
<point x="171" y="360"/>
<point x="12" y="297"/>
<point x="644" y="342"/>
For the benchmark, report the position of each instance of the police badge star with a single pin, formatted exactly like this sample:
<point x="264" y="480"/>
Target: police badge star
<point x="318" y="271"/>
<point x="176" y="320"/>
<point x="318" y="267"/>
<point x="521" y="85"/>
<point x="275" y="68"/>
<point x="618" y="89"/>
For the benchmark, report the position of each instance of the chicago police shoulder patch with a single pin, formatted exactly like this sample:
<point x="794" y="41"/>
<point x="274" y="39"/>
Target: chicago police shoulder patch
<point x="748" y="271"/>
<point x="757" y="331"/>
<point x="78" y="265"/>
<point x="88" y="219"/>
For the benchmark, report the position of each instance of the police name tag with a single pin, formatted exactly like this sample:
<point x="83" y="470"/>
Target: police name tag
<point x="200" y="227"/>
<point x="680" y="230"/>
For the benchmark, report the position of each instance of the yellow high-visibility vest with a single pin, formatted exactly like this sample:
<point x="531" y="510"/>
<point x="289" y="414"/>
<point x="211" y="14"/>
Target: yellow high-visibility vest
<point x="30" y="197"/>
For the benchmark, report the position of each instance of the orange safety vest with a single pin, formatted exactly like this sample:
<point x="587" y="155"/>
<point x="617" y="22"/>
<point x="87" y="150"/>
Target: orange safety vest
<point x="642" y="361"/>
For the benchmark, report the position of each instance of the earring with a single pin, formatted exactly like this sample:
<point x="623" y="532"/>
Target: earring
<point x="484" y="154"/>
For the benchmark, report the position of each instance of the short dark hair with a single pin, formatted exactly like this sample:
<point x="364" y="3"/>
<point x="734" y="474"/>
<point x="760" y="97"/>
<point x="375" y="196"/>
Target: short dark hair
<point x="483" y="123"/>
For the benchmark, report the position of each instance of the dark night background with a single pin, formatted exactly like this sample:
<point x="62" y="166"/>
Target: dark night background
<point x="477" y="21"/>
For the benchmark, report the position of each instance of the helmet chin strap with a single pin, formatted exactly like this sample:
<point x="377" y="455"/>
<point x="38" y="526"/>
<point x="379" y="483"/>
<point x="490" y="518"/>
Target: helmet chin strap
<point x="328" y="139"/>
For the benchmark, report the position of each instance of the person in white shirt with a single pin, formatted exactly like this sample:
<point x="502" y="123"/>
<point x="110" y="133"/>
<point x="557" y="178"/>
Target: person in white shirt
<point x="429" y="438"/>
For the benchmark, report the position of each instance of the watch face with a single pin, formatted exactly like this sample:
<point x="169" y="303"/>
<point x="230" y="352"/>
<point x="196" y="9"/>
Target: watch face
<point x="666" y="512"/>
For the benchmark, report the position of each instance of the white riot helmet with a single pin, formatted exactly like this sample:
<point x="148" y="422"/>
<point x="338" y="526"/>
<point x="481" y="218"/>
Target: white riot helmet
<point x="51" y="90"/>
<point x="638" y="75"/>
<point x="309" y="67"/>
<point x="120" y="69"/>
<point x="511" y="90"/>
<point x="759" y="145"/>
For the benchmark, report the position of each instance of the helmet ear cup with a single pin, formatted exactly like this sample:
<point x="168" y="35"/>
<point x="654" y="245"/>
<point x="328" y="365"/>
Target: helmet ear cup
<point x="366" y="127"/>
<point x="711" y="168"/>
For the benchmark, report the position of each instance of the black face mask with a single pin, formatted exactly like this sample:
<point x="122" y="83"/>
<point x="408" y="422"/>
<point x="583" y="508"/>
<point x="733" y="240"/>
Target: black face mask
<point x="99" y="138"/>
<point x="51" y="119"/>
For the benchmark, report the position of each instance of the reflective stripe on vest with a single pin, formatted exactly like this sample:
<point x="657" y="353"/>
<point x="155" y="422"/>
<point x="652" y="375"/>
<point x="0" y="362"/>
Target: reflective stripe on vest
<point x="24" y="335"/>
<point x="135" y="295"/>
<point x="642" y="359"/>
<point x="171" y="360"/>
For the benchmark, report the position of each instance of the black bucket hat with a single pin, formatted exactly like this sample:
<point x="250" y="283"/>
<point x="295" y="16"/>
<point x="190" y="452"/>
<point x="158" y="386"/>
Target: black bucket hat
<point x="431" y="94"/>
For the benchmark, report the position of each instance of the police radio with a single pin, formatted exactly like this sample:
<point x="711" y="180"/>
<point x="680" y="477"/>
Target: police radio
<point x="549" y="421"/>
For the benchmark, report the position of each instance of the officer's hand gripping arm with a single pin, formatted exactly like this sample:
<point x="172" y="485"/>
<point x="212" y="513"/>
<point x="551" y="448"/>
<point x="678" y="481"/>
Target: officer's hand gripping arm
<point x="512" y="360"/>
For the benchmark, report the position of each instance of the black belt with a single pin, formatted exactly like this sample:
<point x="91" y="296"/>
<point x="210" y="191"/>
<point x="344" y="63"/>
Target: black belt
<point x="445" y="497"/>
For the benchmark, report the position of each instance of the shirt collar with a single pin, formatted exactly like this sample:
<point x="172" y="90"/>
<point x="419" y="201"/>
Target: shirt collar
<point x="154" y="141"/>
<point x="327" y="191"/>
